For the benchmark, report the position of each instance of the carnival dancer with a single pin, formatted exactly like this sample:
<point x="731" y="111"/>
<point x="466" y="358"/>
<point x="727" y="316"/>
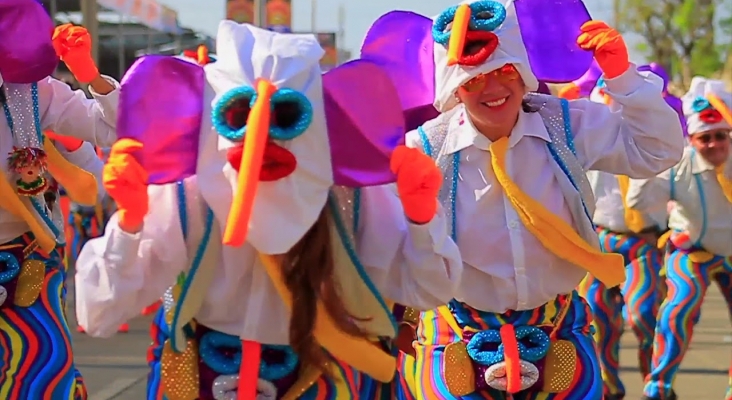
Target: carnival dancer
<point x="701" y="224"/>
<point x="37" y="358"/>
<point x="159" y="327"/>
<point x="524" y="234"/>
<point x="634" y="236"/>
<point x="280" y="290"/>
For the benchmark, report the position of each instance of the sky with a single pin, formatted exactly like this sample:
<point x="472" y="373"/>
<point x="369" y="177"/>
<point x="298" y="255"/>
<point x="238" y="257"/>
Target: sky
<point x="359" y="15"/>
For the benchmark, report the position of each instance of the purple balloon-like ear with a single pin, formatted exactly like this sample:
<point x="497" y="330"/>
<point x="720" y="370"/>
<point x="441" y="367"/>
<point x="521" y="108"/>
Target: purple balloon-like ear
<point x="677" y="105"/>
<point x="26" y="50"/>
<point x="161" y="106"/>
<point x="550" y="30"/>
<point x="365" y="123"/>
<point x="401" y="43"/>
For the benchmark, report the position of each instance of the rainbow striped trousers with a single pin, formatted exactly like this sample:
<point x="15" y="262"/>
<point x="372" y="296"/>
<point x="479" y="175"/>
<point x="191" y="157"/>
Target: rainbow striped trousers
<point x="36" y="360"/>
<point x="426" y="372"/>
<point x="347" y="383"/>
<point x="639" y="297"/>
<point x="687" y="282"/>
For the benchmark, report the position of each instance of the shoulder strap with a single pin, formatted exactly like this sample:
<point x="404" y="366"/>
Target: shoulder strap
<point x="672" y="184"/>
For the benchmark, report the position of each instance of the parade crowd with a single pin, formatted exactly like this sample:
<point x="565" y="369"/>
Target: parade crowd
<point x="425" y="222"/>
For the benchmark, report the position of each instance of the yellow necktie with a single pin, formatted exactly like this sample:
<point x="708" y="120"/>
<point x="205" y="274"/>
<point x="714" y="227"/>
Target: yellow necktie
<point x="633" y="218"/>
<point x="724" y="182"/>
<point x="553" y="233"/>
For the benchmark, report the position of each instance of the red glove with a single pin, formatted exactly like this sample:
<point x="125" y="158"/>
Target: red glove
<point x="69" y="143"/>
<point x="126" y="182"/>
<point x="608" y="45"/>
<point x="73" y="46"/>
<point x="569" y="91"/>
<point x="418" y="183"/>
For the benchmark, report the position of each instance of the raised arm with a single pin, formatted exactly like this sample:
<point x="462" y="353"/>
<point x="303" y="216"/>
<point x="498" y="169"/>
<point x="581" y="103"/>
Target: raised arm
<point x="72" y="113"/>
<point x="120" y="273"/>
<point x="639" y="135"/>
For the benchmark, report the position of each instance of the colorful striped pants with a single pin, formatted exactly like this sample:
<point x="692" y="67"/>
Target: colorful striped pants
<point x="640" y="301"/>
<point x="36" y="360"/>
<point x="346" y="384"/>
<point x="687" y="284"/>
<point x="435" y="333"/>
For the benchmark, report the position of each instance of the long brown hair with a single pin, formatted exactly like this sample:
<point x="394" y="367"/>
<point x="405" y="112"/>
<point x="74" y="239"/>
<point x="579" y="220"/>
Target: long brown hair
<point x="308" y="270"/>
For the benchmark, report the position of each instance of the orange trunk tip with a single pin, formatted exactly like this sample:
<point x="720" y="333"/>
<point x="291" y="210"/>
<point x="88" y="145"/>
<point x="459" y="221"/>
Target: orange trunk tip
<point x="458" y="34"/>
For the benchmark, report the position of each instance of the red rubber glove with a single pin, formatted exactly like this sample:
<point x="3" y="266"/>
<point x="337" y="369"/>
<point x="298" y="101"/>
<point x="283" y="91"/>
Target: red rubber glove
<point x="569" y="91"/>
<point x="608" y="45"/>
<point x="418" y="183"/>
<point x="126" y="182"/>
<point x="73" y="46"/>
<point x="69" y="143"/>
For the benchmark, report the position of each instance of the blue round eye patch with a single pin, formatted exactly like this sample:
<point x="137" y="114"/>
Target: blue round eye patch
<point x="484" y="15"/>
<point x="292" y="113"/>
<point x="700" y="104"/>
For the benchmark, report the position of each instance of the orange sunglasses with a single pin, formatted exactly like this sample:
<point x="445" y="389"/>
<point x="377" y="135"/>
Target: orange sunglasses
<point x="506" y="73"/>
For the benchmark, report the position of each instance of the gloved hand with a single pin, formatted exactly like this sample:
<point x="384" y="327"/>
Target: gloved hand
<point x="418" y="183"/>
<point x="681" y="240"/>
<point x="70" y="143"/>
<point x="73" y="46"/>
<point x="126" y="182"/>
<point x="569" y="91"/>
<point x="610" y="50"/>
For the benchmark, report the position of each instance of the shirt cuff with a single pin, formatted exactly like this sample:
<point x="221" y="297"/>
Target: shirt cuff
<point x="113" y="93"/>
<point x="430" y="235"/>
<point x="122" y="247"/>
<point x="625" y="84"/>
<point x="80" y="157"/>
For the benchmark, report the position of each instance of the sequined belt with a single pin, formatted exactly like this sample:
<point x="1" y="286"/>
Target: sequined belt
<point x="220" y="355"/>
<point x="21" y="278"/>
<point x="509" y="359"/>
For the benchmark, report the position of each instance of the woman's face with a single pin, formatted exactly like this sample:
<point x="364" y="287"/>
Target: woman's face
<point x="494" y="99"/>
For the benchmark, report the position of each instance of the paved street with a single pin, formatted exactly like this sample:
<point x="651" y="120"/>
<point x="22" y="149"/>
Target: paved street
<point x="115" y="368"/>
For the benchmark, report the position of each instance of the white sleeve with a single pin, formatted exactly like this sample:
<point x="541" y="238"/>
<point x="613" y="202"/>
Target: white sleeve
<point x="415" y="265"/>
<point x="70" y="113"/>
<point x="86" y="158"/>
<point x="638" y="136"/>
<point x="120" y="273"/>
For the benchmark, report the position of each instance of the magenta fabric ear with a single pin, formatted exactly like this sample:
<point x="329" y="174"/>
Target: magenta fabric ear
<point x="365" y="122"/>
<point x="161" y="106"/>
<point x="26" y="48"/>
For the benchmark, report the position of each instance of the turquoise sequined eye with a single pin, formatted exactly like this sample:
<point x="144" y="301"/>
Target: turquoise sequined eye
<point x="292" y="113"/>
<point x="230" y="113"/>
<point x="484" y="16"/>
<point x="700" y="104"/>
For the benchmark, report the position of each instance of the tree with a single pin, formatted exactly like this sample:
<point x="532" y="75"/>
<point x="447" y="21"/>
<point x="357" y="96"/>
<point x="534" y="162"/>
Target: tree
<point x="679" y="34"/>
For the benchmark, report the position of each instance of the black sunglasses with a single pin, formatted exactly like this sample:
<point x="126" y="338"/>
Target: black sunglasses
<point x="716" y="137"/>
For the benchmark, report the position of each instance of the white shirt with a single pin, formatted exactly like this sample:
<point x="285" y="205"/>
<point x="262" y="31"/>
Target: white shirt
<point x="702" y="210"/>
<point x="609" y="209"/>
<point x="505" y="266"/>
<point x="119" y="273"/>
<point x="65" y="112"/>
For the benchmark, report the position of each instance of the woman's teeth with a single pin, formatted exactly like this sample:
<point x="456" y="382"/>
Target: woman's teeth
<point x="495" y="103"/>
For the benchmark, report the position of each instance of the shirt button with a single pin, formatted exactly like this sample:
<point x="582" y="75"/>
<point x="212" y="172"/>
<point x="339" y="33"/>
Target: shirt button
<point x="513" y="224"/>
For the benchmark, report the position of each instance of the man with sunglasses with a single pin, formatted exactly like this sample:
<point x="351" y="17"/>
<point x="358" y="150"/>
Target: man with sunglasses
<point x="700" y="242"/>
<point x="516" y="192"/>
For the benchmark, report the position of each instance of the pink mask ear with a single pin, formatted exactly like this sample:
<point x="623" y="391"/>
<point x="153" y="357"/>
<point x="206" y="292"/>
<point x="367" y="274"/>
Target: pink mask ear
<point x="365" y="123"/>
<point x="161" y="106"/>
<point x="400" y="42"/>
<point x="552" y="48"/>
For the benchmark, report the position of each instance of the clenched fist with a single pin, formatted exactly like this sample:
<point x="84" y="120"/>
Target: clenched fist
<point x="126" y="182"/>
<point x="418" y="183"/>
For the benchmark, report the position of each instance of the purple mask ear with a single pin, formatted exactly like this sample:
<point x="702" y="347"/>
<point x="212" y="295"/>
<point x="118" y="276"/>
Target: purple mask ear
<point x="365" y="123"/>
<point x="552" y="47"/>
<point x="400" y="42"/>
<point x="677" y="105"/>
<point x="26" y="49"/>
<point x="161" y="106"/>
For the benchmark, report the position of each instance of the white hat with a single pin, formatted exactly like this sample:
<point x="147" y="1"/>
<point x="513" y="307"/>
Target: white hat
<point x="510" y="50"/>
<point x="697" y="107"/>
